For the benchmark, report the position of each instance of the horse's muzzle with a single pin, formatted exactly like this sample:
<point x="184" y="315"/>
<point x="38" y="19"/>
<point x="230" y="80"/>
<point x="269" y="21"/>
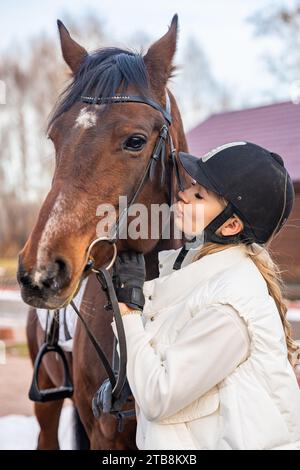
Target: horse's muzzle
<point x="42" y="288"/>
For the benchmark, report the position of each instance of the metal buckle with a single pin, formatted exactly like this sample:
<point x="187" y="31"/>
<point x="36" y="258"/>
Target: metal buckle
<point x="94" y="242"/>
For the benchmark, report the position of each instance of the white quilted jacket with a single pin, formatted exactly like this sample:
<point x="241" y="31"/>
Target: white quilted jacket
<point x="207" y="362"/>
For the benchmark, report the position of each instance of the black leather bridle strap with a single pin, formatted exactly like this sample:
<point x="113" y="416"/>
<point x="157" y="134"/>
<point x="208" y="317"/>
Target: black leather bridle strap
<point x="129" y="99"/>
<point x="174" y="163"/>
<point x="150" y="168"/>
<point x="52" y="336"/>
<point x="105" y="279"/>
<point x="101" y="354"/>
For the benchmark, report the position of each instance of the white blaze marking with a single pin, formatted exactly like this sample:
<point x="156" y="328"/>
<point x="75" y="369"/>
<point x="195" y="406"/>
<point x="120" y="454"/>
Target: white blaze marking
<point x="59" y="221"/>
<point x="37" y="278"/>
<point x="86" y="118"/>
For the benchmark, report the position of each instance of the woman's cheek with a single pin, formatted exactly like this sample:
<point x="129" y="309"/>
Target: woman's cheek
<point x="178" y="220"/>
<point x="189" y="221"/>
<point x="198" y="218"/>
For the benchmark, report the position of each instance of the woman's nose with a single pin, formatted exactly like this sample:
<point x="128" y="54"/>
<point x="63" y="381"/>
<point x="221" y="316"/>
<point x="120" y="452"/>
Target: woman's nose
<point x="183" y="195"/>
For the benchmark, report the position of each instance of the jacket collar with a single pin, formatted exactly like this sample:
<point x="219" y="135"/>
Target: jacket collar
<point x="169" y="289"/>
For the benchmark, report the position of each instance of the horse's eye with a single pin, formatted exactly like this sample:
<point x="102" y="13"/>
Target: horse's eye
<point x="134" y="143"/>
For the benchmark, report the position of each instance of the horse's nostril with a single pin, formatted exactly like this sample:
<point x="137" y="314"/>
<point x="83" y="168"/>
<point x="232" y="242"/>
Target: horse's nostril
<point x="64" y="272"/>
<point x="23" y="278"/>
<point x="49" y="282"/>
<point x="58" y="275"/>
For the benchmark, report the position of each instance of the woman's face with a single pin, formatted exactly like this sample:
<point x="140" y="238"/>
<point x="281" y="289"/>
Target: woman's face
<point x="196" y="208"/>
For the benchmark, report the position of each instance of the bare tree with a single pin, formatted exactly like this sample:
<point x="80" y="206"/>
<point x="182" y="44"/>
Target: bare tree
<point x="26" y="157"/>
<point x="199" y="93"/>
<point x="281" y="25"/>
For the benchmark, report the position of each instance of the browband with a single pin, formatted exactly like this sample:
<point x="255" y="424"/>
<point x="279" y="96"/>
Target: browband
<point x="131" y="99"/>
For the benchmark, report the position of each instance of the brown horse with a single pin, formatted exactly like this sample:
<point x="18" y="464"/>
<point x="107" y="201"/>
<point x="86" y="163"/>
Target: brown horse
<point x="94" y="166"/>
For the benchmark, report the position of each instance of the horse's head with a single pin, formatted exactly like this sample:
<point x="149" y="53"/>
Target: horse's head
<point x="101" y="151"/>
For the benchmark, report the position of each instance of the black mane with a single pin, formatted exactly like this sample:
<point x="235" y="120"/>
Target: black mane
<point x="101" y="74"/>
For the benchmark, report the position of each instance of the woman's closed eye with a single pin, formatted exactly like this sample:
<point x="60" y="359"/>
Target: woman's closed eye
<point x="198" y="196"/>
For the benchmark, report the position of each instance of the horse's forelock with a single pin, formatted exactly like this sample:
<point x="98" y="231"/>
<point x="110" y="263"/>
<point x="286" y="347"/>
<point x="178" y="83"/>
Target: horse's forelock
<point x="102" y="74"/>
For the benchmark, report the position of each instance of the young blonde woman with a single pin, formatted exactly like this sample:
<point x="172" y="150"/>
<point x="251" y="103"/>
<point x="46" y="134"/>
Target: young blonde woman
<point x="210" y="354"/>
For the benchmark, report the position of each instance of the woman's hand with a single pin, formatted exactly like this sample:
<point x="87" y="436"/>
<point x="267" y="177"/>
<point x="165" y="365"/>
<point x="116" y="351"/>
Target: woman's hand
<point x="129" y="274"/>
<point x="125" y="309"/>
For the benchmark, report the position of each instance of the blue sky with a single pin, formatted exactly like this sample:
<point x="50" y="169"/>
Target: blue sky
<point x="220" y="27"/>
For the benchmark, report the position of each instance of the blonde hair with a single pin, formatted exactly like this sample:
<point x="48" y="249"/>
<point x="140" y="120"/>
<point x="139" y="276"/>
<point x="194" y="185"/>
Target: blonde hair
<point x="272" y="275"/>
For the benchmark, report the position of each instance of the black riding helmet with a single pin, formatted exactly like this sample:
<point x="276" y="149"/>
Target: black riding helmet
<point x="253" y="180"/>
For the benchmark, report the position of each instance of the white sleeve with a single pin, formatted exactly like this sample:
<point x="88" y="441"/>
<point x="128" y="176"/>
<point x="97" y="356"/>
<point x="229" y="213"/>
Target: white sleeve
<point x="209" y="347"/>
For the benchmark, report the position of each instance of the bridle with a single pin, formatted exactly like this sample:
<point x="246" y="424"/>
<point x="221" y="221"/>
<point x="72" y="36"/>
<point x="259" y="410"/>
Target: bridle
<point x="159" y="152"/>
<point x="117" y="373"/>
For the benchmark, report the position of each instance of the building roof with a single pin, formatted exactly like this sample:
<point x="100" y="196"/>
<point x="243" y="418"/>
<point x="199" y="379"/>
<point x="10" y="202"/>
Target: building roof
<point x="275" y="127"/>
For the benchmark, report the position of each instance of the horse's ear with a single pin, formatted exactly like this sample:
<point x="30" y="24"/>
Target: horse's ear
<point x="159" y="58"/>
<point x="72" y="52"/>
